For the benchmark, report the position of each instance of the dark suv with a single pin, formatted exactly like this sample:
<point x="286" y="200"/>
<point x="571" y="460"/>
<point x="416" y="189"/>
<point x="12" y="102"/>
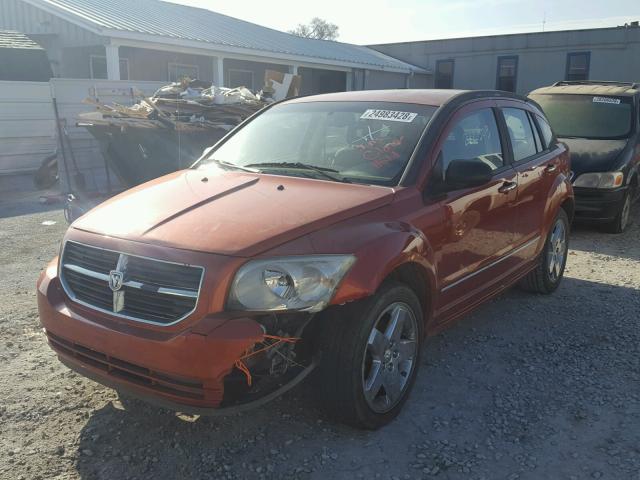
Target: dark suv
<point x="600" y="123"/>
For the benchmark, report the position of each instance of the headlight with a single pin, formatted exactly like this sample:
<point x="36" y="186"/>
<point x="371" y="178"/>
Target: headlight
<point x="599" y="180"/>
<point x="288" y="283"/>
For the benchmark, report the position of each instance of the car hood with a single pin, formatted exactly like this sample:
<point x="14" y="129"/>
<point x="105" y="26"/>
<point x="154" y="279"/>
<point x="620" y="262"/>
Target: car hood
<point x="232" y="213"/>
<point x="593" y="155"/>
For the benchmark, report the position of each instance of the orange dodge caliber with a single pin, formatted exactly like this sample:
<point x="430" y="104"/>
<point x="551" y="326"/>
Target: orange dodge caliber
<point x="329" y="233"/>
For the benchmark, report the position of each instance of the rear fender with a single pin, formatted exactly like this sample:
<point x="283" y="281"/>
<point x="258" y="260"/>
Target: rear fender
<point x="560" y="191"/>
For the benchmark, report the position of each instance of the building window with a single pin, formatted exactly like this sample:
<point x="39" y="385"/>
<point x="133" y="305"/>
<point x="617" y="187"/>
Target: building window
<point x="507" y="74"/>
<point x="578" y="65"/>
<point x="240" y="78"/>
<point x="178" y="71"/>
<point x="98" y="67"/>
<point x="444" y="74"/>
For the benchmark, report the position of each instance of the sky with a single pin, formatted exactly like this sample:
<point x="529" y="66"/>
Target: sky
<point x="386" y="21"/>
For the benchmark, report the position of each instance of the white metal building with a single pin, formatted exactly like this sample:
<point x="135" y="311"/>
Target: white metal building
<point x="525" y="61"/>
<point x="159" y="41"/>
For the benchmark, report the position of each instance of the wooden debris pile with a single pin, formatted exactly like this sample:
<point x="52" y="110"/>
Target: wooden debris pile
<point x="184" y="105"/>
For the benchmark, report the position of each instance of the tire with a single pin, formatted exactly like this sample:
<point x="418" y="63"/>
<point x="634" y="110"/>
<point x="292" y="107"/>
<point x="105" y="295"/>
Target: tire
<point x="354" y="357"/>
<point x="548" y="273"/>
<point x="621" y="222"/>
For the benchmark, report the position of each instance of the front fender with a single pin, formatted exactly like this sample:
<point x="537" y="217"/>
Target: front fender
<point x="390" y="245"/>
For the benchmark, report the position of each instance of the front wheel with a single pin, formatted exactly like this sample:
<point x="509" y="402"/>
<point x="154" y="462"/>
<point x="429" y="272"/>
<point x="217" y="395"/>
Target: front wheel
<point x="547" y="275"/>
<point x="370" y="356"/>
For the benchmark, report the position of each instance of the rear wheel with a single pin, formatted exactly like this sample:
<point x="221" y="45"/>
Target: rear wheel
<point x="371" y="352"/>
<point x="620" y="223"/>
<point x="546" y="277"/>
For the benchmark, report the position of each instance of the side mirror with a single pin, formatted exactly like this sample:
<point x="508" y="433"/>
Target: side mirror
<point x="467" y="174"/>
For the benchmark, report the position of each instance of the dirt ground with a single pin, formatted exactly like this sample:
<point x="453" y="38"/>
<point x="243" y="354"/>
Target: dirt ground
<point x="527" y="387"/>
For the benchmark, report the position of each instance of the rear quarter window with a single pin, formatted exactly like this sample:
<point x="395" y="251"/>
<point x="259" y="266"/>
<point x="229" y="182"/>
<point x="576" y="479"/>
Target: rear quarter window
<point x="520" y="132"/>
<point x="547" y="133"/>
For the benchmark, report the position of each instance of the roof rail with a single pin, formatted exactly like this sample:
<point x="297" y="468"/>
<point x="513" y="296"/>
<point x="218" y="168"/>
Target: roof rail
<point x="597" y="82"/>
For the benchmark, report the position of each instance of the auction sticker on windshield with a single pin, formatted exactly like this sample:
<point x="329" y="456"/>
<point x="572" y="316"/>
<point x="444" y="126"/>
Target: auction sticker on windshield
<point x="393" y="115"/>
<point x="615" y="101"/>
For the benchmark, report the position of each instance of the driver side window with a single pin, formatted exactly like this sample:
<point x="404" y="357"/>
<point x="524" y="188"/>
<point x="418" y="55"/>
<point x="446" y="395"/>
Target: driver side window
<point x="475" y="137"/>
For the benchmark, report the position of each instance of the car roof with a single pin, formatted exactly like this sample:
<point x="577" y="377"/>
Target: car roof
<point x="620" y="89"/>
<point x="433" y="97"/>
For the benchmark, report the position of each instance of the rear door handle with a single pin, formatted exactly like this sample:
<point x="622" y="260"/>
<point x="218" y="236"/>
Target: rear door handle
<point x="507" y="187"/>
<point x="552" y="167"/>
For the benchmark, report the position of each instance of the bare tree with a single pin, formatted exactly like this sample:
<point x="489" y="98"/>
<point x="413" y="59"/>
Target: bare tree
<point x="317" y="28"/>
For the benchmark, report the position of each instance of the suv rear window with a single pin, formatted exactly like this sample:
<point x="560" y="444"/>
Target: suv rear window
<point x="587" y="116"/>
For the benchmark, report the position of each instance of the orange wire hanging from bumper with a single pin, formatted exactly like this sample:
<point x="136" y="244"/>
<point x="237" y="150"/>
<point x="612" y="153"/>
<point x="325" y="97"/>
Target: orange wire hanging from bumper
<point x="240" y="365"/>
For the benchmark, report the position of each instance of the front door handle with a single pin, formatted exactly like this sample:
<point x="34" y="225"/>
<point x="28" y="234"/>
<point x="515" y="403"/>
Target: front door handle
<point x="552" y="167"/>
<point x="507" y="187"/>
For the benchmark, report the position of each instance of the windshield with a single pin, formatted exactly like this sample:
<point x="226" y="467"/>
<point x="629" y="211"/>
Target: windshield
<point x="587" y="116"/>
<point x="362" y="142"/>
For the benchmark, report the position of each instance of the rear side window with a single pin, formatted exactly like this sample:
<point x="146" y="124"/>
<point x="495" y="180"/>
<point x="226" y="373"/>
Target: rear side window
<point x="520" y="133"/>
<point x="545" y="129"/>
<point x="474" y="137"/>
<point x="536" y="134"/>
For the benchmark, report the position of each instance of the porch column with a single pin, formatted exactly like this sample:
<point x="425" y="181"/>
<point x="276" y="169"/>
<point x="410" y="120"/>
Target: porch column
<point x="407" y="82"/>
<point x="113" y="62"/>
<point x="349" y="82"/>
<point x="218" y="72"/>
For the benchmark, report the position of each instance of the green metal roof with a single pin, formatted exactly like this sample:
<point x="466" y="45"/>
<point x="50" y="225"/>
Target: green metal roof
<point x="167" y="22"/>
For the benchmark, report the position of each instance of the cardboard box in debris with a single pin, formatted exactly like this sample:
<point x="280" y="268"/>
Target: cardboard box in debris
<point x="195" y="102"/>
<point x="281" y="85"/>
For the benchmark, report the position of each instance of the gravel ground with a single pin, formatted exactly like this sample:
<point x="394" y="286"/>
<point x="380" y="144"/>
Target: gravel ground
<point x="527" y="387"/>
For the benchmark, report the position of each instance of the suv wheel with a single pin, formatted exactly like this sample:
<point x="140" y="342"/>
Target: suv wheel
<point x="546" y="277"/>
<point x="371" y="352"/>
<point x="621" y="221"/>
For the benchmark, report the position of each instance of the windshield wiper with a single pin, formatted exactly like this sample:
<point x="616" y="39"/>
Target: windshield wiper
<point x="591" y="138"/>
<point x="237" y="167"/>
<point x="324" y="171"/>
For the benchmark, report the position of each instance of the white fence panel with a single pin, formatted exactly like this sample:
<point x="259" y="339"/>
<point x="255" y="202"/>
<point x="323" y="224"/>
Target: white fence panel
<point x="27" y="126"/>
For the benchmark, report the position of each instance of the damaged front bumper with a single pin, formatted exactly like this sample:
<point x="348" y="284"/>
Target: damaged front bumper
<point x="192" y="371"/>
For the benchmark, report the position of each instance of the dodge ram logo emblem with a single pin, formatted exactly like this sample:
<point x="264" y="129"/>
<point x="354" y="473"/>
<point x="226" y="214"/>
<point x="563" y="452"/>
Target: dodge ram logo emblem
<point x="115" y="280"/>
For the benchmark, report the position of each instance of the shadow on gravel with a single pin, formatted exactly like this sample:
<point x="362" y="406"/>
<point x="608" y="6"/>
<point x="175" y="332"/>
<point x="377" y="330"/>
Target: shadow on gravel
<point x="19" y="209"/>
<point x="590" y="238"/>
<point x="131" y="439"/>
<point x="18" y="196"/>
<point x="538" y="376"/>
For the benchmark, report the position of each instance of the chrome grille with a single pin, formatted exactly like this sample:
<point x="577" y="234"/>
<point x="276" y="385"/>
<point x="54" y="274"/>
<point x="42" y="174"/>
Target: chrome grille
<point x="129" y="286"/>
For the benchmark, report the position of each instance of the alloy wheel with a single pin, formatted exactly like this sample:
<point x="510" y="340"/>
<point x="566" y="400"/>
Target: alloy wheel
<point x="557" y="250"/>
<point x="390" y="357"/>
